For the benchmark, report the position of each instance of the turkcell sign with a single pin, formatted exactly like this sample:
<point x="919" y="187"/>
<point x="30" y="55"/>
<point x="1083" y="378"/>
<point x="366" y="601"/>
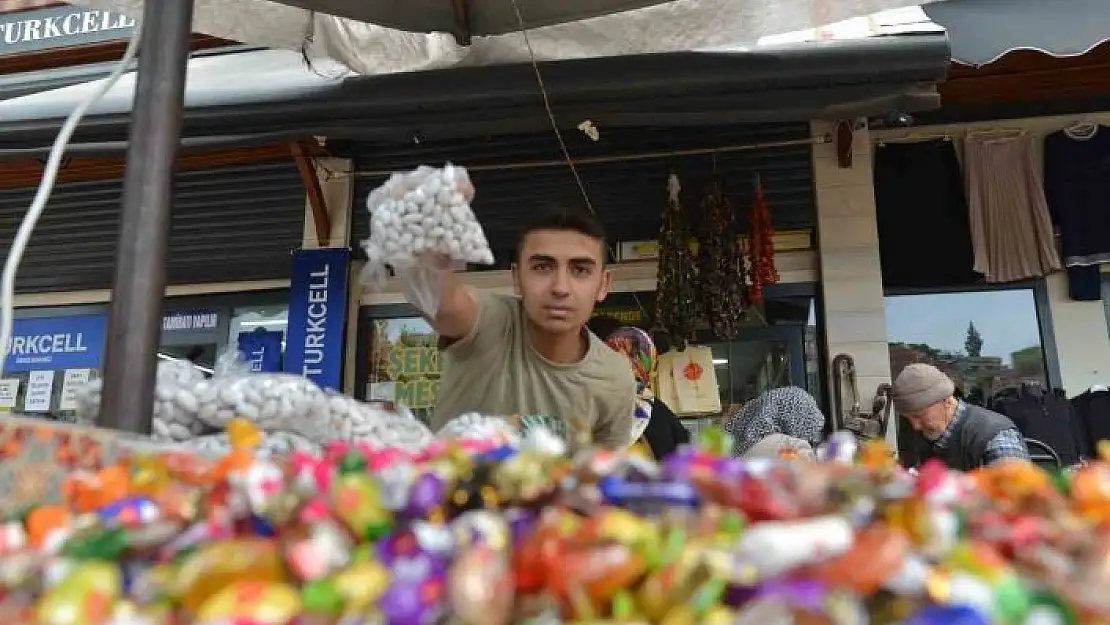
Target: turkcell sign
<point x="56" y="343"/>
<point x="317" y="315"/>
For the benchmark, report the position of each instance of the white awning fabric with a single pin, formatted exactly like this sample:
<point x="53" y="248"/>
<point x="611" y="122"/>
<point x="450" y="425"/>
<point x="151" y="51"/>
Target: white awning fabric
<point x="369" y="48"/>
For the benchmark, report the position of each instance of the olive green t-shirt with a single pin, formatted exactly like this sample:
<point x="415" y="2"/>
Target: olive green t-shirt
<point x="495" y="370"/>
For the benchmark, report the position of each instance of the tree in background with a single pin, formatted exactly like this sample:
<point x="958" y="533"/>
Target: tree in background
<point x="974" y="342"/>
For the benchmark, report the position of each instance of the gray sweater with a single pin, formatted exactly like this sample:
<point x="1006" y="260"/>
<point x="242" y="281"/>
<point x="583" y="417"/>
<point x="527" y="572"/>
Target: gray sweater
<point x="968" y="443"/>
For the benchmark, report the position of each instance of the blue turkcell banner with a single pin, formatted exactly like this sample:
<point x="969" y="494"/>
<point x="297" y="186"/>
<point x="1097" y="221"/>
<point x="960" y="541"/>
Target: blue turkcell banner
<point x="57" y="343"/>
<point x="318" y="315"/>
<point x="262" y="349"/>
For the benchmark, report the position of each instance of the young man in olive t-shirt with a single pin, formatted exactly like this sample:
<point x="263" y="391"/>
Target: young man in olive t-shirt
<point x="532" y="354"/>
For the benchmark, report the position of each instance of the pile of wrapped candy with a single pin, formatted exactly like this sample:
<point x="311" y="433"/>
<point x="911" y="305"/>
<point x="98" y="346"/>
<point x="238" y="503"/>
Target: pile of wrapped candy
<point x="477" y="531"/>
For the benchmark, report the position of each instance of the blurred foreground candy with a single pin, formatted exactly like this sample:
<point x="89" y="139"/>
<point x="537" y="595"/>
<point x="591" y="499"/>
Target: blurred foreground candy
<point x="511" y="530"/>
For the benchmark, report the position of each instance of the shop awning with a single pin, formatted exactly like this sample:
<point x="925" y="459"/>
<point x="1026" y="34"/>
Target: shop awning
<point x="983" y="31"/>
<point x="271" y="95"/>
<point x="378" y="37"/>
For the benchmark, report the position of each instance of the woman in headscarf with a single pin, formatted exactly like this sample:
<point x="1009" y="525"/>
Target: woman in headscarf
<point x="779" y="420"/>
<point x="662" y="432"/>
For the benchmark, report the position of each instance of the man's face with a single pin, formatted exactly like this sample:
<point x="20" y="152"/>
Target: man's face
<point x="930" y="421"/>
<point x="560" y="276"/>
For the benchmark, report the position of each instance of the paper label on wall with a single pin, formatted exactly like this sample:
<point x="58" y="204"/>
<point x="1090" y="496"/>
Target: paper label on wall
<point x="9" y="390"/>
<point x="73" y="380"/>
<point x="40" y="384"/>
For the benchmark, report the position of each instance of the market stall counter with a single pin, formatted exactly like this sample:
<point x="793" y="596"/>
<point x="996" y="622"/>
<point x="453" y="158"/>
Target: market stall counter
<point x="498" y="526"/>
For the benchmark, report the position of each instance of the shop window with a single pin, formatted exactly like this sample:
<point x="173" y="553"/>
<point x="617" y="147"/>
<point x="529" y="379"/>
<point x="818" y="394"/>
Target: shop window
<point x="258" y="333"/>
<point x="985" y="340"/>
<point x="777" y="347"/>
<point x="57" y="350"/>
<point x="403" y="365"/>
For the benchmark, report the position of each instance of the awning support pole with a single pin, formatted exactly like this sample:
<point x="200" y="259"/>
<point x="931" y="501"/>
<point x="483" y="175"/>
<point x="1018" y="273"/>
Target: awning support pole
<point x="135" y="324"/>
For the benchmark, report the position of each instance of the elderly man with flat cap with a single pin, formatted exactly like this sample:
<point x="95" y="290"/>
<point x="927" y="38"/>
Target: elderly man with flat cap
<point x="962" y="435"/>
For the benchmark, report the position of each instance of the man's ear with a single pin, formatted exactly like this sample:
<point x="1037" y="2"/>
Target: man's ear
<point x="515" y="270"/>
<point x="606" y="285"/>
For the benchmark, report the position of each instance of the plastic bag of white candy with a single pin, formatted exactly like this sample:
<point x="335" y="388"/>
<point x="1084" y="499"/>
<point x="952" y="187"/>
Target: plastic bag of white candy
<point x="189" y="404"/>
<point x="291" y="403"/>
<point x="418" y="216"/>
<point x="174" y="410"/>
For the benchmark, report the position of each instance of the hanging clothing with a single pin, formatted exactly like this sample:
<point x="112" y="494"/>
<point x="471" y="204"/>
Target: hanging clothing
<point x="924" y="234"/>
<point x="1093" y="410"/>
<point x="788" y="410"/>
<point x="1077" y="187"/>
<point x="1047" y="417"/>
<point x="1011" y="230"/>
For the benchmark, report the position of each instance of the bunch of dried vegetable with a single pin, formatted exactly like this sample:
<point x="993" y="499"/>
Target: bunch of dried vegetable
<point x="676" y="282"/>
<point x="721" y="266"/>
<point x="761" y="247"/>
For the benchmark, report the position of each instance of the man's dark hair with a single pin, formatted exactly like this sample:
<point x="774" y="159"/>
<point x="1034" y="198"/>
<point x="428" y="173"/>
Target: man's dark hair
<point x="603" y="326"/>
<point x="565" y="220"/>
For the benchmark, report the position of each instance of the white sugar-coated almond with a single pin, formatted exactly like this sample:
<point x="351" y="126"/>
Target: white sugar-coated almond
<point x="229" y="395"/>
<point x="251" y="394"/>
<point x="187" y="401"/>
<point x="179" y="432"/>
<point x="163" y="392"/>
<point x="207" y="412"/>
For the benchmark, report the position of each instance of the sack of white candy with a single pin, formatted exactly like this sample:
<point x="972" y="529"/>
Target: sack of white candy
<point x="174" y="413"/>
<point x="189" y="405"/>
<point x="419" y="223"/>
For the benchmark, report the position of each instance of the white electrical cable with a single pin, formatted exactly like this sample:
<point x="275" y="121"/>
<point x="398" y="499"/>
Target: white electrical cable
<point x="46" y="187"/>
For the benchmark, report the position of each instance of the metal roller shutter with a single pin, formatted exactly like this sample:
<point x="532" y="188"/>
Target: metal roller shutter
<point x="629" y="195"/>
<point x="231" y="223"/>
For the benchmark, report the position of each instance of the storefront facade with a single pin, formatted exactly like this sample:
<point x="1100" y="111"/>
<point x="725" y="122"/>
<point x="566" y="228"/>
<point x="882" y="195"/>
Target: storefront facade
<point x="732" y="117"/>
<point x="1044" y="334"/>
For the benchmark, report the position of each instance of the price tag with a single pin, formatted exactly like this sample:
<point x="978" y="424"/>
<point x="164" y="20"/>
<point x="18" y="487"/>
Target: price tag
<point x="40" y="385"/>
<point x="9" y="390"/>
<point x="71" y="382"/>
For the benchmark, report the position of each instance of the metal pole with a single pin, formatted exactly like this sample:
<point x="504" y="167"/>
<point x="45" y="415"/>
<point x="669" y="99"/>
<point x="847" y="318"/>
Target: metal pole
<point x="140" y="281"/>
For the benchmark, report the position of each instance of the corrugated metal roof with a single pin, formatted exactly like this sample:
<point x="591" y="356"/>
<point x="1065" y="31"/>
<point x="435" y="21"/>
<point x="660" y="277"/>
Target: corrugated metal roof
<point x="629" y="196"/>
<point x="231" y="223"/>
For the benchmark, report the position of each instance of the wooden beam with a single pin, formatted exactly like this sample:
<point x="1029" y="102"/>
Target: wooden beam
<point x="462" y="19"/>
<point x="1029" y="76"/>
<point x="27" y="173"/>
<point x="13" y="6"/>
<point x="315" y="193"/>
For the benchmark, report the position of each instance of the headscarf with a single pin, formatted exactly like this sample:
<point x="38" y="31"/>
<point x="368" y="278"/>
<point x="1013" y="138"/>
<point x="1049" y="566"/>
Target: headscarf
<point x="774" y="447"/>
<point x="788" y="410"/>
<point x="637" y="346"/>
